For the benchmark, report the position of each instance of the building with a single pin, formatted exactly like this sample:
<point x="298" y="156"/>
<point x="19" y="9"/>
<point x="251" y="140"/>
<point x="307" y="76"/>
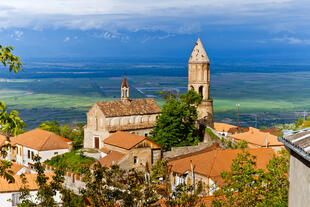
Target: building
<point x="207" y="166"/>
<point x="199" y="80"/>
<point x="137" y="116"/>
<point x="257" y="139"/>
<point x="225" y="129"/>
<point x="10" y="191"/>
<point x="129" y="151"/>
<point x="37" y="142"/>
<point x="298" y="144"/>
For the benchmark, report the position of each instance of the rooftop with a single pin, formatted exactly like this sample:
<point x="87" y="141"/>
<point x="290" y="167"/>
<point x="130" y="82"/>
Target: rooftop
<point x="199" y="54"/>
<point x="223" y="127"/>
<point x="5" y="186"/>
<point x="2" y="140"/>
<point x="212" y="163"/>
<point x="132" y="107"/>
<point x="299" y="142"/>
<point x="112" y="158"/>
<point x="40" y="140"/>
<point x="124" y="140"/>
<point x="256" y="137"/>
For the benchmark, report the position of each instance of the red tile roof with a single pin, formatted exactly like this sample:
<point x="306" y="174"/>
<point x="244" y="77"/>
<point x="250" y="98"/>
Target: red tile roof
<point x="257" y="137"/>
<point x="211" y="164"/>
<point x="112" y="158"/>
<point x="125" y="140"/>
<point x="40" y="140"/>
<point x="5" y="186"/>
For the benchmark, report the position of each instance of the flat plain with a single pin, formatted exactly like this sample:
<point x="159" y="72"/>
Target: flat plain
<point x="65" y="91"/>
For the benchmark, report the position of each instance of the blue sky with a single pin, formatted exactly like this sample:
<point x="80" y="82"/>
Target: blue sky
<point x="238" y="29"/>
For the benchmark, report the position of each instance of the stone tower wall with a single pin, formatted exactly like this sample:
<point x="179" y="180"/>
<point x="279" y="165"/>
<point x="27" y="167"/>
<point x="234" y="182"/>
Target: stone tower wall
<point x="199" y="80"/>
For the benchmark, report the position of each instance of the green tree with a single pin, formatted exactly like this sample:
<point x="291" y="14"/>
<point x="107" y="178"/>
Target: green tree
<point x="245" y="185"/>
<point x="10" y="122"/>
<point x="8" y="59"/>
<point x="175" y="125"/>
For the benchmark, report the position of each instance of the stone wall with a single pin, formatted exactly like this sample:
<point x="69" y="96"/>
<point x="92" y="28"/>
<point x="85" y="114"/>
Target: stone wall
<point x="177" y="151"/>
<point x="299" y="177"/>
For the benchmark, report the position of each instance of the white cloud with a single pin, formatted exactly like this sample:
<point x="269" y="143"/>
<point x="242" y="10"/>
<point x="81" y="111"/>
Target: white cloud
<point x="171" y="16"/>
<point x="292" y="40"/>
<point x="17" y="34"/>
<point x="66" y="39"/>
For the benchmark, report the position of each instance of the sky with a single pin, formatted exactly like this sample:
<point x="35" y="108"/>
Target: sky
<point x="161" y="29"/>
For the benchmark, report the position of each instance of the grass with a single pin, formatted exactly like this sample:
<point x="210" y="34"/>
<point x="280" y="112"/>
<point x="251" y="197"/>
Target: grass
<point x="73" y="161"/>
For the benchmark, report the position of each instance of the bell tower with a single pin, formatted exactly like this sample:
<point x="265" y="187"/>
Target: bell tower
<point x="125" y="90"/>
<point x="199" y="80"/>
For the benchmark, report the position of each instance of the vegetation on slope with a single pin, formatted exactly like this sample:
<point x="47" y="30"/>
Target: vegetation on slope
<point x="75" y="161"/>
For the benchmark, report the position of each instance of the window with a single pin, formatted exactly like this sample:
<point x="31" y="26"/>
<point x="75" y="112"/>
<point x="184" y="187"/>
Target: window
<point x="55" y="153"/>
<point x="32" y="155"/>
<point x="15" y="198"/>
<point x="135" y="160"/>
<point x="20" y="151"/>
<point x="145" y="134"/>
<point x="16" y="150"/>
<point x="28" y="154"/>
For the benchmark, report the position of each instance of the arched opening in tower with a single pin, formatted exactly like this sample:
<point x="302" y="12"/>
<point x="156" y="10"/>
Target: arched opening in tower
<point x="201" y="91"/>
<point x="192" y="88"/>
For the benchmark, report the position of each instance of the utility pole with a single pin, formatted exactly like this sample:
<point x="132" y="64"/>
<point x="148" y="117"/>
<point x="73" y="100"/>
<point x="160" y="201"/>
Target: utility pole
<point x="238" y="105"/>
<point x="304" y="115"/>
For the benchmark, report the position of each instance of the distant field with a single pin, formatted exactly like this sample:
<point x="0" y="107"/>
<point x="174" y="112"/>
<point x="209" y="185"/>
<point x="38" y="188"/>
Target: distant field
<point x="264" y="98"/>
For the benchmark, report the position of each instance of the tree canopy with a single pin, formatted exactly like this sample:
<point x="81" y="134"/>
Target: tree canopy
<point x="245" y="185"/>
<point x="175" y="125"/>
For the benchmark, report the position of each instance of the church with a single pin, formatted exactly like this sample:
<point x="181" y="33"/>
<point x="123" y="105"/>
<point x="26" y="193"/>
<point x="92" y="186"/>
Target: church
<point x="138" y="116"/>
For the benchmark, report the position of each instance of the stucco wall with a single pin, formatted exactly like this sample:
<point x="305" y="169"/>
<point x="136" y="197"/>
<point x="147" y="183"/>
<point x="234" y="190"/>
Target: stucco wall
<point x="22" y="156"/>
<point x="299" y="177"/>
<point x="4" y="197"/>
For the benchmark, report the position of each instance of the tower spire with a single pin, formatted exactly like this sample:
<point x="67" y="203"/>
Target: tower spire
<point x="125" y="89"/>
<point x="199" y="54"/>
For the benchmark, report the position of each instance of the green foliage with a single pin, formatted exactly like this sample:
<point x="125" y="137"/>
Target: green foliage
<point x="8" y="59"/>
<point x="74" y="161"/>
<point x="245" y="185"/>
<point x="110" y="186"/>
<point x="299" y="122"/>
<point x="175" y="125"/>
<point x="75" y="133"/>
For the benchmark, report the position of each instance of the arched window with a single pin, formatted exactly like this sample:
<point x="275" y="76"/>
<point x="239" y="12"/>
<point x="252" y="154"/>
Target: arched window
<point x="201" y="91"/>
<point x="192" y="87"/>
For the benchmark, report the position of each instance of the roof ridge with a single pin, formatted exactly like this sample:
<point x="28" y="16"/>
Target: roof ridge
<point x="212" y="165"/>
<point x="46" y="139"/>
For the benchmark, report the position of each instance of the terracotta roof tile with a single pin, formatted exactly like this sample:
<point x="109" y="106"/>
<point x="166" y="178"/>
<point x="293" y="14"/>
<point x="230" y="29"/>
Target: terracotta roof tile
<point x="223" y="127"/>
<point x="5" y="186"/>
<point x="112" y="158"/>
<point x="3" y="139"/>
<point x="257" y="137"/>
<point x="65" y="139"/>
<point x="132" y="107"/>
<point x="211" y="164"/>
<point x="40" y="140"/>
<point x="105" y="150"/>
<point x="15" y="168"/>
<point x="124" y="140"/>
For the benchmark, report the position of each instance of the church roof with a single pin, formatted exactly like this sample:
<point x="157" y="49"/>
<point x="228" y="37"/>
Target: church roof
<point x="125" y="83"/>
<point x="132" y="107"/>
<point x="199" y="54"/>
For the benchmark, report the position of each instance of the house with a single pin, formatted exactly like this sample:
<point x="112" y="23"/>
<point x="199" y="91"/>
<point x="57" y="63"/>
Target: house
<point x="37" y="142"/>
<point x="225" y="129"/>
<point x="257" y="139"/>
<point x="129" y="151"/>
<point x="10" y="191"/>
<point x="207" y="166"/>
<point x="298" y="144"/>
<point x="137" y="116"/>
